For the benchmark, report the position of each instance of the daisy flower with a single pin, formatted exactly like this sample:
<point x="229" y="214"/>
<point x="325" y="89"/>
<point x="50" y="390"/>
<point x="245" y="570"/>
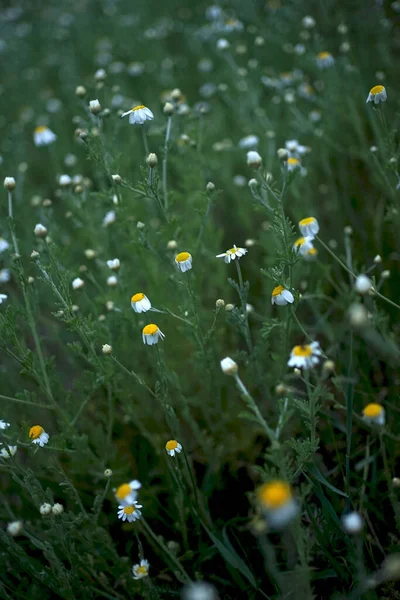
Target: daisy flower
<point x="129" y="512"/>
<point x="281" y="296"/>
<point x="232" y="253"/>
<point x="5" y="275"/>
<point x="183" y="261"/>
<point x="4" y="245"/>
<point x="38" y="435"/>
<point x="3" y="298"/>
<point x="173" y="447"/>
<point x="43" y="136"/>
<point x="151" y="334"/>
<point x="126" y="494"/>
<point x="310" y="254"/>
<point x="141" y="570"/>
<point x="140" y="302"/>
<point x="374" y="413"/>
<point x="303" y="245"/>
<point x="6" y="452"/>
<point x="293" y="163"/>
<point x="377" y="94"/>
<point x="309" y="227"/>
<point x="306" y="356"/>
<point x="325" y="60"/>
<point x="139" y="114"/>
<point x="277" y="502"/>
<point x="77" y="283"/>
<point x="249" y="142"/>
<point x="3" y="424"/>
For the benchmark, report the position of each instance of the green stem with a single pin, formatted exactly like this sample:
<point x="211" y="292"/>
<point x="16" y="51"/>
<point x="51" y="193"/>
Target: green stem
<point x="253" y="406"/>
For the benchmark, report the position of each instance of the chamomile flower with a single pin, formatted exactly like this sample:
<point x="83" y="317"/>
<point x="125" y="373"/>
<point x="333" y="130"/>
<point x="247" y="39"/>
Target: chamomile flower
<point x="377" y="94"/>
<point x="305" y="356"/>
<point x="139" y="114"/>
<point x="43" y="136"/>
<point x="173" y="447"/>
<point x="151" y="334"/>
<point x="325" y="60"/>
<point x="126" y="494"/>
<point x="249" y="142"/>
<point x="7" y="452"/>
<point x="281" y="296"/>
<point x="232" y="254"/>
<point x="140" y="302"/>
<point x="5" y="275"/>
<point x="311" y="254"/>
<point x="303" y="245"/>
<point x="309" y="227"/>
<point x="77" y="283"/>
<point x="4" y="245"/>
<point x="277" y="502"/>
<point x="3" y="424"/>
<point x="3" y="298"/>
<point x="141" y="570"/>
<point x="129" y="512"/>
<point x="293" y="163"/>
<point x="109" y="218"/>
<point x="183" y="261"/>
<point x="374" y="413"/>
<point x="38" y="435"/>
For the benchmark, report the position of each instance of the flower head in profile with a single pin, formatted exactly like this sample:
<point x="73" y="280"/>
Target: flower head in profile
<point x="374" y="413"/>
<point x="38" y="435"/>
<point x="140" y="302"/>
<point x="281" y="296"/>
<point x="277" y="503"/>
<point x="43" y="136"/>
<point x="306" y="356"/>
<point x="126" y="494"/>
<point x="151" y="334"/>
<point x="325" y="60"/>
<point x="183" y="261"/>
<point x="232" y="254"/>
<point x="309" y="227"/>
<point x="139" y="114"/>
<point x="173" y="447"/>
<point x="129" y="512"/>
<point x="303" y="245"/>
<point x="377" y="94"/>
<point x="141" y="570"/>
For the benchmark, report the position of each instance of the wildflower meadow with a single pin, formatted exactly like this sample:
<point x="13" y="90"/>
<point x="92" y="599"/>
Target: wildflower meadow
<point x="199" y="300"/>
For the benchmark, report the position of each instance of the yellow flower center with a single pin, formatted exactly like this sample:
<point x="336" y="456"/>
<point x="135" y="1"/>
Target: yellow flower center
<point x="41" y="128"/>
<point x="278" y="290"/>
<point x="138" y="107"/>
<point x="142" y="570"/>
<point x="307" y="221"/>
<point x="182" y="256"/>
<point x="137" y="297"/>
<point x="293" y="161"/>
<point x="35" y="432"/>
<point x="323" y="55"/>
<point x="123" y="491"/>
<point x="302" y="350"/>
<point x="299" y="241"/>
<point x="377" y="89"/>
<point x="230" y="22"/>
<point x="129" y="510"/>
<point x="372" y="410"/>
<point x="233" y="250"/>
<point x="312" y="252"/>
<point x="275" y="494"/>
<point x="150" y="329"/>
<point x="171" y="445"/>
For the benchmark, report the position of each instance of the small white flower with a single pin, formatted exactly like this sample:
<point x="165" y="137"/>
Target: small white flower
<point x="183" y="261"/>
<point x="112" y="281"/>
<point x="40" y="230"/>
<point x="232" y="254"/>
<point x="77" y="283"/>
<point x="254" y="159"/>
<point x="353" y="523"/>
<point x="303" y="245"/>
<point x="57" y="509"/>
<point x="126" y="493"/>
<point x="223" y="44"/>
<point x="94" y="107"/>
<point x="139" y="114"/>
<point x="199" y="590"/>
<point x="325" y="60"/>
<point x="172" y="447"/>
<point x="109" y="218"/>
<point x="65" y="181"/>
<point x="142" y="570"/>
<point x="4" y="245"/>
<point x="374" y="414"/>
<point x="362" y="284"/>
<point x="129" y="512"/>
<point x="228" y="366"/>
<point x="281" y="296"/>
<point x="140" y="303"/>
<point x="113" y="264"/>
<point x="377" y="94"/>
<point x="309" y="227"/>
<point x="248" y="142"/>
<point x="43" y="136"/>
<point x="5" y="453"/>
<point x="3" y="424"/>
<point x="14" y="528"/>
<point x="45" y="509"/>
<point x="151" y="334"/>
<point x="277" y="503"/>
<point x="306" y="356"/>
<point x="308" y="22"/>
<point x="38" y="435"/>
<point x="5" y="275"/>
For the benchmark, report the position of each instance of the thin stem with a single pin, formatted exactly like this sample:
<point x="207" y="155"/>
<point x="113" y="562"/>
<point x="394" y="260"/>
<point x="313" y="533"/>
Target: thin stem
<point x="203" y="224"/>
<point x="133" y="374"/>
<point x="164" y="164"/>
<point x="36" y="405"/>
<point x="144" y="134"/>
<point x="349" y="415"/>
<point x="341" y="263"/>
<point x="253" y="406"/>
<point x="300" y="325"/>
<point x="244" y="307"/>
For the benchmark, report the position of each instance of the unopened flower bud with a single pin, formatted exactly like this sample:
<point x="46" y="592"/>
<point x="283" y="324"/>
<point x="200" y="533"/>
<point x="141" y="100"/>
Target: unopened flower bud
<point x="34" y="254"/>
<point x="89" y="253"/>
<point x="57" y="509"/>
<point x="172" y="245"/>
<point x="228" y="366"/>
<point x="348" y="230"/>
<point x="229" y="307"/>
<point x="40" y="230"/>
<point x="223" y="44"/>
<point x="362" y="284"/>
<point x="9" y="183"/>
<point x="80" y="91"/>
<point x="45" y="509"/>
<point x="100" y="75"/>
<point x="377" y="259"/>
<point x="358" y="315"/>
<point x="250" y="243"/>
<point x="65" y="181"/>
<point x="282" y="153"/>
<point x="254" y="160"/>
<point x="152" y="160"/>
<point x="77" y="283"/>
<point x="253" y="184"/>
<point x="106" y="349"/>
<point x="117" y="179"/>
<point x="385" y="274"/>
<point x="329" y="366"/>
<point x="140" y="225"/>
<point x="14" y="528"/>
<point x="297" y="372"/>
<point x="112" y="281"/>
<point x="168" y="109"/>
<point x="176" y="94"/>
<point x="107" y="473"/>
<point x="94" y="107"/>
<point x="281" y="389"/>
<point x="391" y="566"/>
<point x="210" y="187"/>
<point x="396" y="482"/>
<point x="220" y="303"/>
